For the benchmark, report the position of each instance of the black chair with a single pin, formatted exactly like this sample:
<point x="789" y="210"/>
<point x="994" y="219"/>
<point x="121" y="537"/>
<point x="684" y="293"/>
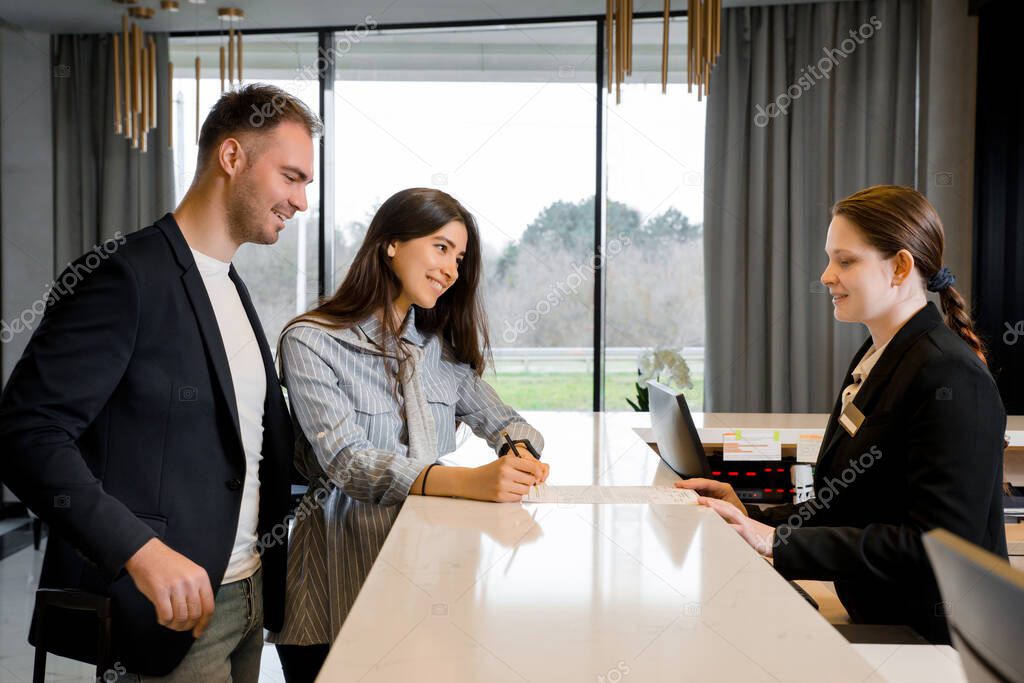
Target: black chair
<point x="37" y="532"/>
<point x="983" y="602"/>
<point x="49" y="604"/>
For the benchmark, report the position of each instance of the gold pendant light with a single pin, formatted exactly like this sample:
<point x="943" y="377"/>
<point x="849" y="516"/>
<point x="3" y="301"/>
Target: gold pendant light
<point x="232" y="17"/>
<point x="134" y="64"/>
<point x="704" y="25"/>
<point x="703" y="45"/>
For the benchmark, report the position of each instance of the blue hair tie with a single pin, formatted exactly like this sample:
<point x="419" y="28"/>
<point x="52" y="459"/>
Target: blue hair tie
<point x="941" y="280"/>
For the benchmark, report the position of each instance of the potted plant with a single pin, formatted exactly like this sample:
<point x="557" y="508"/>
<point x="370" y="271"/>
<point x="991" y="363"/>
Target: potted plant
<point x="652" y="364"/>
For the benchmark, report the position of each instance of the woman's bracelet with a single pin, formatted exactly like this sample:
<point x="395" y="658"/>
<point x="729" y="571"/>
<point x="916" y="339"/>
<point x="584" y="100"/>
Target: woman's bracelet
<point x="423" y="486"/>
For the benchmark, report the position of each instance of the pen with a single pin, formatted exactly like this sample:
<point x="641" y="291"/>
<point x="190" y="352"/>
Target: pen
<point x="512" y="448"/>
<point x="526" y="444"/>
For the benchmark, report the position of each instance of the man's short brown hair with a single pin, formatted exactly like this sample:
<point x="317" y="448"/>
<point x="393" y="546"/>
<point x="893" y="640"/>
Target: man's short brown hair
<point x="249" y="111"/>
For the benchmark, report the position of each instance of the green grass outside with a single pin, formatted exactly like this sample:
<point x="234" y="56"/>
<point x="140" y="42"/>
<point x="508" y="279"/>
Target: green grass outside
<point x="574" y="391"/>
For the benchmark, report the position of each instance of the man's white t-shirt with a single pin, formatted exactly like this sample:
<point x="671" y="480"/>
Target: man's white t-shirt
<point x="250" y="382"/>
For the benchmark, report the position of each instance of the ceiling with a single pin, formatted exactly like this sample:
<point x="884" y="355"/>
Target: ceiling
<point x="98" y="16"/>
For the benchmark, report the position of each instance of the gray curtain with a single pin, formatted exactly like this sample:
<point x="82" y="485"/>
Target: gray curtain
<point x="101" y="184"/>
<point x="771" y="177"/>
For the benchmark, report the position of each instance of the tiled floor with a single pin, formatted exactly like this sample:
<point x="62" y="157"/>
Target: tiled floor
<point x="19" y="575"/>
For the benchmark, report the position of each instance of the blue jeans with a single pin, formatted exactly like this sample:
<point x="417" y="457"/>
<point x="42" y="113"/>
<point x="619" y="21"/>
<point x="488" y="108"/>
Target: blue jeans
<point x="229" y="650"/>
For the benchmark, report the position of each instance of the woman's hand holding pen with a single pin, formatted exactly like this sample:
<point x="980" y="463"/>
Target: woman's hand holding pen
<point x="519" y="449"/>
<point x="505" y="480"/>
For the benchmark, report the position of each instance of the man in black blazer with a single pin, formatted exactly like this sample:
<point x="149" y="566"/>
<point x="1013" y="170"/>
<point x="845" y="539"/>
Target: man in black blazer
<point x="145" y="422"/>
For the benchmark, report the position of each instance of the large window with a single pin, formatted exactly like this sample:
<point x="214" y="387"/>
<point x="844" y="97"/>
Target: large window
<point x="654" y="207"/>
<point x="282" y="279"/>
<point x="505" y="118"/>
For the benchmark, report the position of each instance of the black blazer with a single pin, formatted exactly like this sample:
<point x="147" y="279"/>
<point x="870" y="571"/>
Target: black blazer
<point x="119" y="423"/>
<point x="928" y="454"/>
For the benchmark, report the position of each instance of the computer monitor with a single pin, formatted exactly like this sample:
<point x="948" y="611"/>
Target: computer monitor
<point x="677" y="438"/>
<point x="983" y="601"/>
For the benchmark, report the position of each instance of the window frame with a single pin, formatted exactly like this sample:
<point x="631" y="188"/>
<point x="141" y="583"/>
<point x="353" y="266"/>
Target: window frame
<point x="326" y="63"/>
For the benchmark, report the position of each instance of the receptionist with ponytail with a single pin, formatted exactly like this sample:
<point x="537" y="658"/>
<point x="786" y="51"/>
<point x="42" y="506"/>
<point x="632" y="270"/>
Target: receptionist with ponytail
<point x="915" y="440"/>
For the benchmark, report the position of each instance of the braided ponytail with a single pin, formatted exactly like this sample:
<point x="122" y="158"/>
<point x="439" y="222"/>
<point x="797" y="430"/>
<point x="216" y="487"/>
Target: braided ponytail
<point x="958" y="318"/>
<point x="892" y="218"/>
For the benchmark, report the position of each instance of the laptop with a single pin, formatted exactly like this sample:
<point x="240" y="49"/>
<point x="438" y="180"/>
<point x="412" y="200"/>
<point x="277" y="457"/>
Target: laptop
<point x="678" y="441"/>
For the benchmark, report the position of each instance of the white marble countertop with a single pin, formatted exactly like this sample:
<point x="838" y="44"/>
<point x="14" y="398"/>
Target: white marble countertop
<point x="914" y="663"/>
<point x="471" y="591"/>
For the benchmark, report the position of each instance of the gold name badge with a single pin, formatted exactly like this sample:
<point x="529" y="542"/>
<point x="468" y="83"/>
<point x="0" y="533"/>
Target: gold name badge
<point x="851" y="419"/>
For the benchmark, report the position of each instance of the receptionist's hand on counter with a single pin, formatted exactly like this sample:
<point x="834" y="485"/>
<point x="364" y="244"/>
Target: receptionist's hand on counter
<point x="713" y="489"/>
<point x="761" y="537"/>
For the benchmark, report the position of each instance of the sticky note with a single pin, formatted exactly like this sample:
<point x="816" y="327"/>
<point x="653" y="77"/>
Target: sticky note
<point x="807" y="447"/>
<point x="751" y="444"/>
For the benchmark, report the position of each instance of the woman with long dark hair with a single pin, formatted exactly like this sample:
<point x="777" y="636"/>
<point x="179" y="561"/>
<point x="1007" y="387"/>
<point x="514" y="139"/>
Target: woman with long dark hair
<point x="915" y="440"/>
<point x="377" y="376"/>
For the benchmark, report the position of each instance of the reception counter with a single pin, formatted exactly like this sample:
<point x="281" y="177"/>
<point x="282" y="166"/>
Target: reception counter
<point x="473" y="591"/>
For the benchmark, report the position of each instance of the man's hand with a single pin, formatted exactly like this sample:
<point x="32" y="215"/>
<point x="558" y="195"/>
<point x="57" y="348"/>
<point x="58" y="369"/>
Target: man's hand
<point x="178" y="587"/>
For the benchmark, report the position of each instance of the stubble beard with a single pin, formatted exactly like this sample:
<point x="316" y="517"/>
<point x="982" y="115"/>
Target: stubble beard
<point x="246" y="218"/>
